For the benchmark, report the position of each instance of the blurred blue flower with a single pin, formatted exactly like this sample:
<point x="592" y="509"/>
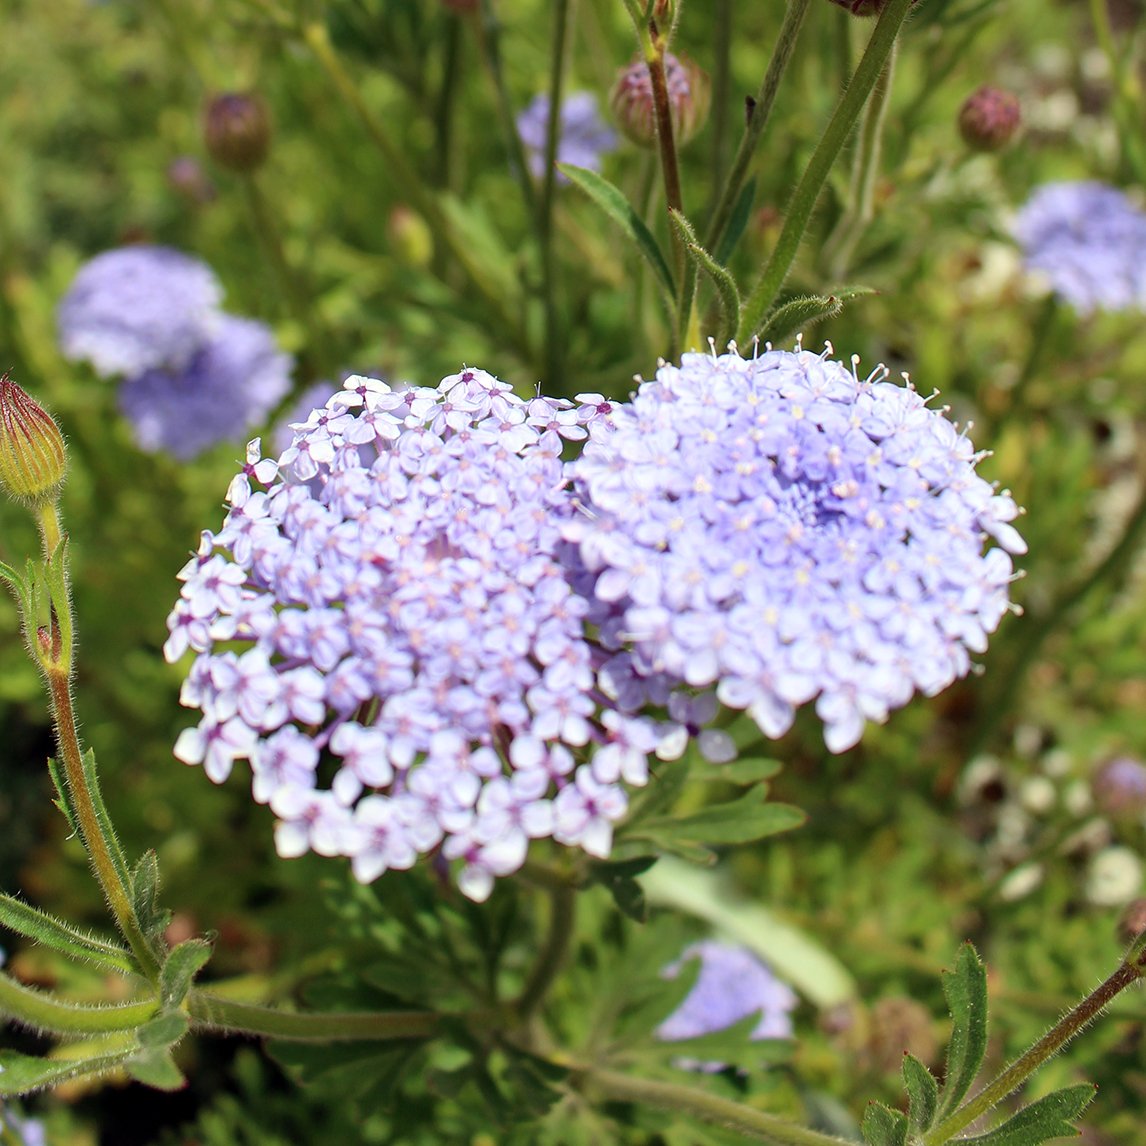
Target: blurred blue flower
<point x="732" y="984"/>
<point x="782" y="530"/>
<point x="583" y="138"/>
<point x="390" y="597"/>
<point x="139" y="308"/>
<point x="1089" y="241"/>
<point x="229" y="385"/>
<point x="28" y="1131"/>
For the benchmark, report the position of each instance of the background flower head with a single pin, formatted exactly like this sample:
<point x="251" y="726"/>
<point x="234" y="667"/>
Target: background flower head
<point x="784" y="530"/>
<point x="136" y="309"/>
<point x="1089" y="241"/>
<point x="387" y="605"/>
<point x="583" y="138"/>
<point x="231" y="384"/>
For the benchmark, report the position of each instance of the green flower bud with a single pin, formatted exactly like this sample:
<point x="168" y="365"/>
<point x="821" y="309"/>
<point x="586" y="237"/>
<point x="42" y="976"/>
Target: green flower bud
<point x="33" y="460"/>
<point x="237" y="131"/>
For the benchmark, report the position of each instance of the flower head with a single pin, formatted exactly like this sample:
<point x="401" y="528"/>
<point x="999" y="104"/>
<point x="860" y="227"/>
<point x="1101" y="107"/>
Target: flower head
<point x="231" y="384"/>
<point x="583" y="136"/>
<point x="989" y="118"/>
<point x="688" y="93"/>
<point x="782" y="530"/>
<point x="1089" y="241"/>
<point x="731" y="985"/>
<point x="139" y="308"/>
<point x="387" y="607"/>
<point x="237" y="130"/>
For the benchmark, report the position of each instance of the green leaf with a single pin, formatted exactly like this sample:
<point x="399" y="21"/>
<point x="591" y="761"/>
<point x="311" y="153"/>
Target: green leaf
<point x="156" y="1068"/>
<point x="360" y="1072"/>
<point x="798" y="314"/>
<point x="665" y="785"/>
<point x="180" y="968"/>
<point x="535" y="1081"/>
<point x="883" y="1126"/>
<point x="35" y="924"/>
<point x="737" y="221"/>
<point x="145" y="896"/>
<point x="922" y="1091"/>
<point x="24" y="1074"/>
<point x="17" y="583"/>
<point x="611" y="200"/>
<point x="965" y="989"/>
<point x="743" y="772"/>
<point x="732" y="1046"/>
<point x="1049" y="1117"/>
<point x="726" y="290"/>
<point x="747" y="818"/>
<point x="63" y="799"/>
<point x="794" y="955"/>
<point x="163" y="1030"/>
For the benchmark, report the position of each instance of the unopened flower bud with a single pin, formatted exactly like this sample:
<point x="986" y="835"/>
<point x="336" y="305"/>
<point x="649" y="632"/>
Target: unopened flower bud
<point x="237" y="131"/>
<point x="688" y="95"/>
<point x="410" y="236"/>
<point x="1119" y="787"/>
<point x="33" y="460"/>
<point x="989" y="118"/>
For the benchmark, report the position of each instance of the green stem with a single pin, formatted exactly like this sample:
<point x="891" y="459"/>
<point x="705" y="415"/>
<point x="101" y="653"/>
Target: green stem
<point x="225" y="1016"/>
<point x="317" y="359"/>
<point x="1026" y="1064"/>
<point x="554" y="336"/>
<point x="562" y="913"/>
<point x="1125" y="102"/>
<point x="1040" y="344"/>
<point x="841" y="244"/>
<point x="447" y="99"/>
<point x="1036" y="631"/>
<point x="823" y="158"/>
<point x="46" y="1014"/>
<point x="757" y="120"/>
<point x="700" y="1104"/>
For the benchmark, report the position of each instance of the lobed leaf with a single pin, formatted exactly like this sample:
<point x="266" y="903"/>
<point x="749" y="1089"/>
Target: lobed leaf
<point x="749" y="817"/>
<point x="965" y="989"/>
<point x="1049" y="1117"/>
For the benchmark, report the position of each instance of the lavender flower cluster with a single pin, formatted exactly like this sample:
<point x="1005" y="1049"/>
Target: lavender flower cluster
<point x="784" y="530"/>
<point x="583" y="137"/>
<point x="192" y="374"/>
<point x="1089" y="241"/>
<point x="388" y="597"/>
<point x="478" y="642"/>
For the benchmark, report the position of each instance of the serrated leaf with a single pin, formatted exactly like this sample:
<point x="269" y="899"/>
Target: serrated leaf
<point x="737" y="221"/>
<point x="883" y="1126"/>
<point x="156" y="1068"/>
<point x="922" y="1093"/>
<point x="37" y="925"/>
<point x="611" y="200"/>
<point x="747" y="818"/>
<point x="1049" y="1117"/>
<point x="179" y="969"/>
<point x="794" y="955"/>
<point x="800" y="313"/>
<point x="25" y="1074"/>
<point x="362" y="1072"/>
<point x="965" y="989"/>
<point x="726" y="290"/>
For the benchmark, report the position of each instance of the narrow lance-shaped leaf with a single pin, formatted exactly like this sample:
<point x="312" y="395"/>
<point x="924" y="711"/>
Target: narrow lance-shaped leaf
<point x="923" y="1093"/>
<point x="180" y="968"/>
<point x="62" y="937"/>
<point x="25" y="1074"/>
<point x="883" y="1126"/>
<point x="726" y="289"/>
<point x="966" y="991"/>
<point x="1048" y="1118"/>
<point x="611" y="200"/>
<point x="145" y="896"/>
<point x="798" y="314"/>
<point x="63" y="799"/>
<point x="737" y="221"/>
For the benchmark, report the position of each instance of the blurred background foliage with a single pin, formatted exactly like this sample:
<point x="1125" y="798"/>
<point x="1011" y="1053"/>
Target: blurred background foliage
<point x="967" y="816"/>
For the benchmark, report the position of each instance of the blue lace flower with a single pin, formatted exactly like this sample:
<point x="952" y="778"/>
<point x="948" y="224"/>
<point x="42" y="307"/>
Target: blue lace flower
<point x="1089" y="241"/>
<point x="231" y="384"/>
<point x="781" y="530"/>
<point x="583" y="137"/>
<point x="139" y="308"/>
<point x="732" y="984"/>
<point x="385" y="630"/>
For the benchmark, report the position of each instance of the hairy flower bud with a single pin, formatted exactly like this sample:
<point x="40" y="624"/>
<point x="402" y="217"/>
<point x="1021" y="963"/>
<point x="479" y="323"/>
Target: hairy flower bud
<point x="989" y="118"/>
<point x="237" y="131"/>
<point x="33" y="460"/>
<point x="688" y="94"/>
